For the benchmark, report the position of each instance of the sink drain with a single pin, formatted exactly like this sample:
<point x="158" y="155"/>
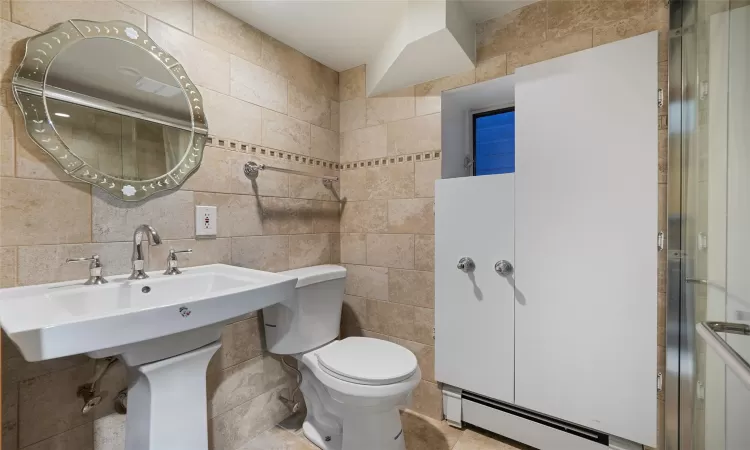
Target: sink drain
<point x="145" y="289"/>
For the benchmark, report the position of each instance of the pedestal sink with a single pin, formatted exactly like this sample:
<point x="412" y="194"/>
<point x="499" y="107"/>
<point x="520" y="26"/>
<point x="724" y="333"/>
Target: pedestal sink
<point x="164" y="328"/>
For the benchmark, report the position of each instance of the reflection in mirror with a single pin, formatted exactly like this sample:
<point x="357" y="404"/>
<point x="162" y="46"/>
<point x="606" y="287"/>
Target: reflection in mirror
<point x="111" y="107"/>
<point x="121" y="146"/>
<point x="117" y="75"/>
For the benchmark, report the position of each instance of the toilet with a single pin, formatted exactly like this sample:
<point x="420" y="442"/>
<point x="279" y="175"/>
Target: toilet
<point x="353" y="388"/>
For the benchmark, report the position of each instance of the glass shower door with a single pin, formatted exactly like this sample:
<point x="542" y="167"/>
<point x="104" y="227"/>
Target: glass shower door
<point x="714" y="403"/>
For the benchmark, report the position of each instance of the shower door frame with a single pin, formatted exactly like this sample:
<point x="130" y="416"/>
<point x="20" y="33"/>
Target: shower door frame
<point x="680" y="377"/>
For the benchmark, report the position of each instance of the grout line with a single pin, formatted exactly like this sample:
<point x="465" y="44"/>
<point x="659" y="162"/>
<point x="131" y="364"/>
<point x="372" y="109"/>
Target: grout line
<point x="91" y="213"/>
<point x="296" y="436"/>
<point x="262" y="355"/>
<point x="273" y="389"/>
<point x="71" y="180"/>
<point x="36" y="444"/>
<point x="80" y="243"/>
<point x="15" y="266"/>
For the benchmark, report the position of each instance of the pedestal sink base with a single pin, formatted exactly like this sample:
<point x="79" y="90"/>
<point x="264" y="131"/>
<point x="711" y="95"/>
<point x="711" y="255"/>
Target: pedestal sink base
<point x="167" y="403"/>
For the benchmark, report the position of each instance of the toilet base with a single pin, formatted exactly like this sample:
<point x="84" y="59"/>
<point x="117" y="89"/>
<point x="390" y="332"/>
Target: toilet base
<point x="380" y="431"/>
<point x="329" y="442"/>
<point x="332" y="425"/>
<point x="362" y="433"/>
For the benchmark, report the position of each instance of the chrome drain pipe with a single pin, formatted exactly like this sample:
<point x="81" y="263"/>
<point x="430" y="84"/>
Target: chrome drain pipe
<point x="121" y="402"/>
<point x="89" y="392"/>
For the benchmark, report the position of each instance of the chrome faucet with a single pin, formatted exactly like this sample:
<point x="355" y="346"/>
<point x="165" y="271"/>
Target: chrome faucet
<point x="139" y="271"/>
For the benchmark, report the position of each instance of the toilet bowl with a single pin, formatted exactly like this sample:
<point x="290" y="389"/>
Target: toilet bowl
<point x="353" y="388"/>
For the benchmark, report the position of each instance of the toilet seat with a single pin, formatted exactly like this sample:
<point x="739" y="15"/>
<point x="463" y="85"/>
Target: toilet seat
<point x="367" y="361"/>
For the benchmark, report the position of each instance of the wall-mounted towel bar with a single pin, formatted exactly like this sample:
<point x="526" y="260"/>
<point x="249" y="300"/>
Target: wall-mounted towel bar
<point x="736" y="363"/>
<point x="252" y="169"/>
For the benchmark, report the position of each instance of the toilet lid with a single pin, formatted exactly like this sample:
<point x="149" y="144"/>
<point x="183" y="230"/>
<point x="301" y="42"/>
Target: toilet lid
<point x="367" y="361"/>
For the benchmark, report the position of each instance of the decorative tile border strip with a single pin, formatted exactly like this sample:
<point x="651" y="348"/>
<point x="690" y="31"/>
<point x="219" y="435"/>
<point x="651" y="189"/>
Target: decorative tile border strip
<point x="252" y="149"/>
<point x="388" y="160"/>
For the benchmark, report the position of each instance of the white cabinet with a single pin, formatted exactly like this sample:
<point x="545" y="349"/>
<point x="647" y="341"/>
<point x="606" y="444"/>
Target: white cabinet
<point x="586" y="227"/>
<point x="573" y="334"/>
<point x="474" y="309"/>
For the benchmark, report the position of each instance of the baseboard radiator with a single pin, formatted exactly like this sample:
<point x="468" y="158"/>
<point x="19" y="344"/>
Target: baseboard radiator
<point x="537" y="430"/>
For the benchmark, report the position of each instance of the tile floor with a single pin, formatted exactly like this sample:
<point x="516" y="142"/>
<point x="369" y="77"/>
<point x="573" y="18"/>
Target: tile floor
<point x="421" y="433"/>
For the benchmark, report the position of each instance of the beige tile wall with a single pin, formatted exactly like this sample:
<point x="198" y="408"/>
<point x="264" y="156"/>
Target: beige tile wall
<point x="264" y="101"/>
<point x="387" y="225"/>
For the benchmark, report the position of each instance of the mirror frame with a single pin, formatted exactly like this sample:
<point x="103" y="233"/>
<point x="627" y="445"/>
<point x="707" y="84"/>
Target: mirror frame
<point x="29" y="87"/>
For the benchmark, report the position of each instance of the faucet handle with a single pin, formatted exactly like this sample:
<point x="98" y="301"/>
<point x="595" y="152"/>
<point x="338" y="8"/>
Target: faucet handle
<point x="94" y="260"/>
<point x="172" y="268"/>
<point x="95" y="269"/>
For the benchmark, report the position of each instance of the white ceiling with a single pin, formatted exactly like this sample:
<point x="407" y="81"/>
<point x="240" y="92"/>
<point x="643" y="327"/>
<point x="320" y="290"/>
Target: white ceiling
<point x="342" y="33"/>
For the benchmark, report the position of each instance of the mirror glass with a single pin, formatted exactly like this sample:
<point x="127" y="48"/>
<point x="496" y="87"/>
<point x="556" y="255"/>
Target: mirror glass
<point x="123" y="109"/>
<point x="121" y="146"/>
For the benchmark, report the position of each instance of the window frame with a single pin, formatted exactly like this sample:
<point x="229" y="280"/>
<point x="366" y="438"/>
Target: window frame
<point x="474" y="117"/>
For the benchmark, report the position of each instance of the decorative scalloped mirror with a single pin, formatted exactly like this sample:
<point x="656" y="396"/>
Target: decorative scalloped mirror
<point x="111" y="107"/>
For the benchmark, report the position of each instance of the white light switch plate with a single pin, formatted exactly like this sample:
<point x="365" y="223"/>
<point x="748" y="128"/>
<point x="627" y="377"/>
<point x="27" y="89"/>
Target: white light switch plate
<point x="205" y="221"/>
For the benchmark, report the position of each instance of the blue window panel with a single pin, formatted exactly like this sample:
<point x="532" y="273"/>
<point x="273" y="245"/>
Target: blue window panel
<point x="495" y="143"/>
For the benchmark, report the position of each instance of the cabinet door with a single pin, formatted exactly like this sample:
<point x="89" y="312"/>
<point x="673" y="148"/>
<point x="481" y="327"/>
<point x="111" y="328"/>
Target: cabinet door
<point x="586" y="227"/>
<point x="474" y="310"/>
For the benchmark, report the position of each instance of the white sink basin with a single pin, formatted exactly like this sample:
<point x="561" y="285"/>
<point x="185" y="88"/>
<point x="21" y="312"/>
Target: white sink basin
<point x="164" y="328"/>
<point x="61" y="319"/>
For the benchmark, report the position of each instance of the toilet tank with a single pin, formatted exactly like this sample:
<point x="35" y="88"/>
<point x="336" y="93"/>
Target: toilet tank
<point x="312" y="317"/>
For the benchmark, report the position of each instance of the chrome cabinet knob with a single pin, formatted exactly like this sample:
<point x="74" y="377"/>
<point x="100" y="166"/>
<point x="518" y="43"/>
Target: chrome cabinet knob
<point x="504" y="268"/>
<point x="466" y="264"/>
